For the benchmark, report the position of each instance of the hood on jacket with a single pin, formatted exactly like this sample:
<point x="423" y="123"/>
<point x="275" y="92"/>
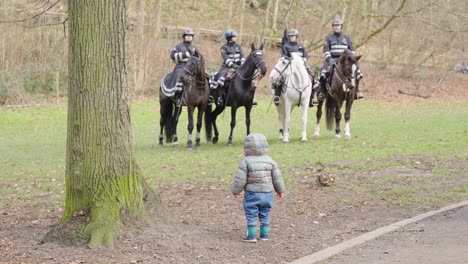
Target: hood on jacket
<point x="255" y="145"/>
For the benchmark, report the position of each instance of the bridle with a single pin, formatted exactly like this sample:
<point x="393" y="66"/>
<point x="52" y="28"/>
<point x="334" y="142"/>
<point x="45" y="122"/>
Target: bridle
<point x="284" y="69"/>
<point x="282" y="79"/>
<point x="191" y="73"/>
<point x="346" y="80"/>
<point x="257" y="61"/>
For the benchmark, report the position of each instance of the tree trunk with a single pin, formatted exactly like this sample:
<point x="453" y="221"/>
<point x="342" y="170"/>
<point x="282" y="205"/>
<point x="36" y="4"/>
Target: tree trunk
<point x="297" y="13"/>
<point x="275" y="16"/>
<point x="231" y="6"/>
<point x="158" y="19"/>
<point x="102" y="176"/>
<point x="140" y="53"/>
<point x="241" y="27"/>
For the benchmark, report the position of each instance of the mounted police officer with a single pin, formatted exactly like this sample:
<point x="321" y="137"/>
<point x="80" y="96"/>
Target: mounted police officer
<point x="335" y="44"/>
<point x="233" y="58"/>
<point x="290" y="45"/>
<point x="180" y="54"/>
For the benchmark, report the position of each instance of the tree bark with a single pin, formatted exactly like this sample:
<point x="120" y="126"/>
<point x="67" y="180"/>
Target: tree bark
<point x="241" y="27"/>
<point x="102" y="176"/>
<point x="231" y="6"/>
<point x="275" y="16"/>
<point x="140" y="54"/>
<point x="158" y="18"/>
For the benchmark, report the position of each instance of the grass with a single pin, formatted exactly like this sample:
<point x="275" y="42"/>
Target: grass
<point x="32" y="148"/>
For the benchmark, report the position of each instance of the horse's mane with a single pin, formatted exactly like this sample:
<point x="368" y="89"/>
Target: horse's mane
<point x="200" y="71"/>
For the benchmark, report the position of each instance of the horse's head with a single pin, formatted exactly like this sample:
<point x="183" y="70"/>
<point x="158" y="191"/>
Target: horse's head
<point x="348" y="67"/>
<point x="276" y="75"/>
<point x="258" y="59"/>
<point x="193" y="67"/>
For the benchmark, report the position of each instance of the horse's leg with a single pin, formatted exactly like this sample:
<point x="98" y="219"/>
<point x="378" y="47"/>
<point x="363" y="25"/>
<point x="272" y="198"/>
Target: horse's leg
<point x="304" y="108"/>
<point x="162" y="121"/>
<point x="337" y="119"/>
<point x="247" y="117"/>
<point x="200" y="111"/>
<point x="216" y="112"/>
<point x="190" y="110"/>
<point x="280" y="111"/>
<point x="287" y="120"/>
<point x="347" y="116"/>
<point x="233" y="123"/>
<point x="178" y="111"/>
<point x="318" y="115"/>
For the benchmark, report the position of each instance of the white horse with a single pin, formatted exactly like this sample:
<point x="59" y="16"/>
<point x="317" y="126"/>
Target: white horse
<point x="296" y="90"/>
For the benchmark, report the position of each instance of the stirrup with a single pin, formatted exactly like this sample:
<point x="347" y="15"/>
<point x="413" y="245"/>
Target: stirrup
<point x="210" y="100"/>
<point x="219" y="101"/>
<point x="276" y="100"/>
<point x="321" y="96"/>
<point x="359" y="96"/>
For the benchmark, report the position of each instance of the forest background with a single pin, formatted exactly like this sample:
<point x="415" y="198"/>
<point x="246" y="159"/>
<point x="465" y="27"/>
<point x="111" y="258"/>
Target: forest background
<point x="420" y="42"/>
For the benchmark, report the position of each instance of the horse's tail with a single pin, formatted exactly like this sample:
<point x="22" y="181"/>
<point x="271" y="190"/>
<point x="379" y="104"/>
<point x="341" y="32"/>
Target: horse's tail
<point x="208" y="124"/>
<point x="330" y="114"/>
<point x="168" y="129"/>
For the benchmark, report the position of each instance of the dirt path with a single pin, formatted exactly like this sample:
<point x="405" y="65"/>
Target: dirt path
<point x="440" y="239"/>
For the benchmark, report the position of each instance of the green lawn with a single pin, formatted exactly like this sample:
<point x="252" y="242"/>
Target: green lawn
<point x="32" y="144"/>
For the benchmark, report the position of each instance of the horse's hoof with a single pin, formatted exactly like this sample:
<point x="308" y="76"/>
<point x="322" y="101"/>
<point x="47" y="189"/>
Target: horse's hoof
<point x="347" y="136"/>
<point x="316" y="135"/>
<point x="189" y="148"/>
<point x="304" y="140"/>
<point x="175" y="144"/>
<point x="215" y="140"/>
<point x="338" y="136"/>
<point x="285" y="140"/>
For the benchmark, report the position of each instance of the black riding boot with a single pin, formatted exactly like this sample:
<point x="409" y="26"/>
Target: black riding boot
<point x="359" y="95"/>
<point x="276" y="97"/>
<point x="322" y="89"/>
<point x="178" y="98"/>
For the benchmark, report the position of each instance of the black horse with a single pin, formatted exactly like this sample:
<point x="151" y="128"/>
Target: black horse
<point x="342" y="88"/>
<point x="238" y="92"/>
<point x="195" y="95"/>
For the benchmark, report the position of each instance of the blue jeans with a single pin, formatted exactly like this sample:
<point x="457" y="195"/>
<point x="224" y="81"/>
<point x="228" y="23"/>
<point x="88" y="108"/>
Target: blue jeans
<point x="257" y="205"/>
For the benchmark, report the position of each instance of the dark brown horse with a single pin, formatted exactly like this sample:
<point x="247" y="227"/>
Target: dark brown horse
<point x="195" y="95"/>
<point x="342" y="88"/>
<point x="238" y="92"/>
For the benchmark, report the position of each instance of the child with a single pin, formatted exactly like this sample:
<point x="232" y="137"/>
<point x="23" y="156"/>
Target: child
<point x="258" y="174"/>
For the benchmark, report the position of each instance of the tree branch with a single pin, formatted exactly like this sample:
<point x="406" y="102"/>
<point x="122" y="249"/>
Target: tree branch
<point x="33" y="17"/>
<point x="384" y="26"/>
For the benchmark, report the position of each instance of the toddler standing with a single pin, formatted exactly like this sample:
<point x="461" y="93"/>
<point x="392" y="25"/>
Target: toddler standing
<point x="258" y="175"/>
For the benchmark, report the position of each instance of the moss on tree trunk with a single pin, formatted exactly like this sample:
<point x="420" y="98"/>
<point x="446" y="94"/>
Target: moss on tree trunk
<point x="102" y="176"/>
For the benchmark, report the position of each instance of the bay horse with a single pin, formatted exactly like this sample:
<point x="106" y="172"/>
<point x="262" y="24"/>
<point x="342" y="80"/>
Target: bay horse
<point x="292" y="75"/>
<point x="195" y="95"/>
<point x="238" y="92"/>
<point x="342" y="88"/>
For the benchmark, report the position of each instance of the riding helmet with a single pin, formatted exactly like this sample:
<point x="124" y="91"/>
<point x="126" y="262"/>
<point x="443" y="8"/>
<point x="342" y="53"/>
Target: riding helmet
<point x="188" y="31"/>
<point x="293" y="32"/>
<point x="337" y="22"/>
<point x="230" y="33"/>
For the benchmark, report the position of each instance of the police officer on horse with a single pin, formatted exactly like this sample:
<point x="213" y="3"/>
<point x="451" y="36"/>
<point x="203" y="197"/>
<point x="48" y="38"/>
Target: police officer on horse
<point x="290" y="45"/>
<point x="233" y="58"/>
<point x="335" y="44"/>
<point x="180" y="54"/>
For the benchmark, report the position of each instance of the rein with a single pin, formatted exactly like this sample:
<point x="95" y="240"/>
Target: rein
<point x="346" y="80"/>
<point x="191" y="79"/>
<point x="255" y="74"/>
<point x="284" y="84"/>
